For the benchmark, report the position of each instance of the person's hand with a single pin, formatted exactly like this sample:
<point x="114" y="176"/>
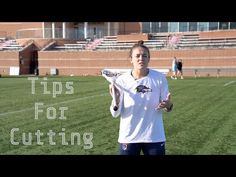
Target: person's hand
<point x="166" y="104"/>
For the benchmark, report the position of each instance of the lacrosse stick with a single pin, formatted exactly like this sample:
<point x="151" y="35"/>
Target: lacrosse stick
<point x="111" y="77"/>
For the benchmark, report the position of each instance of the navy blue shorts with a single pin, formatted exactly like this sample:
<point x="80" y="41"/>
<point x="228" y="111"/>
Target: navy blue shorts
<point x="146" y="148"/>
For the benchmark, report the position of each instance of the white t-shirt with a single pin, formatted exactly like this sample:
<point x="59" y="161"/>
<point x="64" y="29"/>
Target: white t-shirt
<point x="139" y="120"/>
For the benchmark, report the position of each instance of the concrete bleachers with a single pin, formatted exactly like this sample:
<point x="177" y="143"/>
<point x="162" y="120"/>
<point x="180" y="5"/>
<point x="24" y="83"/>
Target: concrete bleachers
<point x="114" y="47"/>
<point x="75" y="46"/>
<point x="69" y="47"/>
<point x="79" y="45"/>
<point x="194" y="41"/>
<point x="206" y="44"/>
<point x="154" y="42"/>
<point x="112" y="44"/>
<point x="9" y="45"/>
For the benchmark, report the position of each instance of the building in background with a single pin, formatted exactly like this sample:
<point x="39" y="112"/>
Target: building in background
<point x="84" y="48"/>
<point x="84" y="30"/>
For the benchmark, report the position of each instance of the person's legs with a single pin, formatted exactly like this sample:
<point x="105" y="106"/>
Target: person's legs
<point x="174" y="72"/>
<point x="129" y="148"/>
<point x="153" y="148"/>
<point x="181" y="74"/>
<point x="173" y="75"/>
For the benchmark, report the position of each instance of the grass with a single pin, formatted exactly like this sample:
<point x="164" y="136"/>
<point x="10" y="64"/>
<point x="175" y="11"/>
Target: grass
<point x="202" y="122"/>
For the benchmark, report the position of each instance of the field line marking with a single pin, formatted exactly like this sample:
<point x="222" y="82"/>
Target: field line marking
<point x="228" y="83"/>
<point x="68" y="101"/>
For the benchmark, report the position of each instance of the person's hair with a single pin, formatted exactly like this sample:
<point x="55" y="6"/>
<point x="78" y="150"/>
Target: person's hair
<point x="139" y="44"/>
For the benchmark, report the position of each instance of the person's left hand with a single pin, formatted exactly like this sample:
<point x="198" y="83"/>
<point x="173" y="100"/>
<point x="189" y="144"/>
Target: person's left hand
<point x="165" y="104"/>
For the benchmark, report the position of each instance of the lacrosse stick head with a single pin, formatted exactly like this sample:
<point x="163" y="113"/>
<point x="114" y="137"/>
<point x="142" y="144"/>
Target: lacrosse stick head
<point x="109" y="75"/>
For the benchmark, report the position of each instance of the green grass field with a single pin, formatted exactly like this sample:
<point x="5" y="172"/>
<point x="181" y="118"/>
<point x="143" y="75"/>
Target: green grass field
<point x="203" y="120"/>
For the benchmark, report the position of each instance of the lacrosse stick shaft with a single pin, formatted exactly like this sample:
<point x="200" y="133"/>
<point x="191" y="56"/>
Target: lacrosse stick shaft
<point x="115" y="106"/>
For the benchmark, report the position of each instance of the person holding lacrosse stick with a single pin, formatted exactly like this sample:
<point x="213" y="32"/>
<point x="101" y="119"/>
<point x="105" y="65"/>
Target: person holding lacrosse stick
<point x="141" y="95"/>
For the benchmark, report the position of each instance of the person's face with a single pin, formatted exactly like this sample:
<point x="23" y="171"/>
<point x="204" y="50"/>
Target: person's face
<point x="140" y="58"/>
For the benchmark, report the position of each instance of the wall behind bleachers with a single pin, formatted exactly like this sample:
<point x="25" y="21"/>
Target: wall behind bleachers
<point x="92" y="62"/>
<point x="81" y="63"/>
<point x="7" y="60"/>
<point x="132" y="37"/>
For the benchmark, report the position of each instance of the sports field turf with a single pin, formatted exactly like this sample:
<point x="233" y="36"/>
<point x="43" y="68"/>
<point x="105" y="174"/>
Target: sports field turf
<point x="203" y="120"/>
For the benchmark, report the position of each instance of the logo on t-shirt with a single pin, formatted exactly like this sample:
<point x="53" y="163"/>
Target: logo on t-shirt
<point x="143" y="89"/>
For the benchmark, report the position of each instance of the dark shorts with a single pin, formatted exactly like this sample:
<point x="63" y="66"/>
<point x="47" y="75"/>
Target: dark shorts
<point x="146" y="148"/>
<point x="179" y="69"/>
